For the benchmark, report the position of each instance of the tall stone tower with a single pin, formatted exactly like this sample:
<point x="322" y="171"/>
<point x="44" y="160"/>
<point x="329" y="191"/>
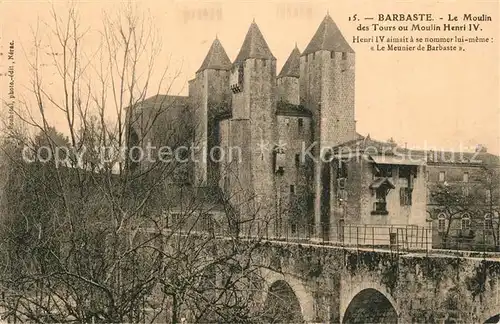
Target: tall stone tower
<point x="288" y="79"/>
<point x="209" y="95"/>
<point x="327" y="89"/>
<point x="253" y="126"/>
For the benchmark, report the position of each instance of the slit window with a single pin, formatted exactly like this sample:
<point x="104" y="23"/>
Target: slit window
<point x="241" y="71"/>
<point x="441" y="223"/>
<point x="300" y="124"/>
<point x="292" y="189"/>
<point x="465" y="223"/>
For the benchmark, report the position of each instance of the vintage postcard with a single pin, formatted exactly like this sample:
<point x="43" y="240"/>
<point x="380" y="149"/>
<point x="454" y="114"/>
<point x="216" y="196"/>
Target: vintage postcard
<point x="279" y="161"/>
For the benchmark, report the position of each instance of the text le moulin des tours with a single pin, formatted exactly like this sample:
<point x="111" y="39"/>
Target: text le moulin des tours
<point x="388" y="32"/>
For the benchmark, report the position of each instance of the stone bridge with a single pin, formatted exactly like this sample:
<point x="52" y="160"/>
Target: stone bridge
<point x="326" y="284"/>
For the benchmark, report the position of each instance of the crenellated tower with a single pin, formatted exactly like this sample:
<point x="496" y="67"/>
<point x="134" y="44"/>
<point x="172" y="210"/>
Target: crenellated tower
<point x="253" y="125"/>
<point x="293" y="172"/>
<point x="209" y="97"/>
<point x="327" y="89"/>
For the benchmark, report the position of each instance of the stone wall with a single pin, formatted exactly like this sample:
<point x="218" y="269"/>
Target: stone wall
<point x="256" y="103"/>
<point x="357" y="205"/>
<point x="217" y="97"/>
<point x="420" y="288"/>
<point x="293" y="183"/>
<point x="327" y="90"/>
<point x="288" y="90"/>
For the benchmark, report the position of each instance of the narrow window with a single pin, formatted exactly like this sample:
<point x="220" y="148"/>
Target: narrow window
<point x="241" y="71"/>
<point x="441" y="176"/>
<point x="297" y="160"/>
<point x="441" y="223"/>
<point x="342" y="169"/>
<point x="380" y="205"/>
<point x="300" y="123"/>
<point x="465" y="223"/>
<point x="332" y="54"/>
<point x="466" y="177"/>
<point x="341" y="183"/>
<point x="343" y="63"/>
<point x="314" y="55"/>
<point x="292" y="189"/>
<point x="405" y="196"/>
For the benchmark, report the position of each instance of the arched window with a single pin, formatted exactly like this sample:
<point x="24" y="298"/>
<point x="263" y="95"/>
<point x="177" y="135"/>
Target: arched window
<point x="465" y="221"/>
<point x="441" y="222"/>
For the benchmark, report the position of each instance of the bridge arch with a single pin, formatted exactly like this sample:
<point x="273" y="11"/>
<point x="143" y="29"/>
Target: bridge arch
<point x="493" y="319"/>
<point x="370" y="306"/>
<point x="368" y="302"/>
<point x="284" y="288"/>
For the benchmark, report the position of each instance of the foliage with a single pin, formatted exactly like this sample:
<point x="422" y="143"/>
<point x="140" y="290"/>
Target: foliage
<point x="476" y="199"/>
<point x="93" y="239"/>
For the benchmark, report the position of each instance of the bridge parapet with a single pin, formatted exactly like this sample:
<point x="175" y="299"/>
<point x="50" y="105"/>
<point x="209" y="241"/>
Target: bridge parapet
<point x="419" y="287"/>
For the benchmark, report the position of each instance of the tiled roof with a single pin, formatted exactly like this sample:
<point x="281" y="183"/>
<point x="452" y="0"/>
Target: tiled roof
<point x="431" y="157"/>
<point x="164" y="100"/>
<point x="291" y="68"/>
<point x="438" y="157"/>
<point x="361" y="143"/>
<point x="254" y="46"/>
<point x="216" y="58"/>
<point x="328" y="37"/>
<point x="170" y="116"/>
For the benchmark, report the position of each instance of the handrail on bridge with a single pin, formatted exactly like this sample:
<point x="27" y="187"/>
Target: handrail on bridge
<point x="396" y="238"/>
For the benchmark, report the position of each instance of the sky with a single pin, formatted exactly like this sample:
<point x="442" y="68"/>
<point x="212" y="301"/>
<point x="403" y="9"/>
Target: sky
<point x="442" y="100"/>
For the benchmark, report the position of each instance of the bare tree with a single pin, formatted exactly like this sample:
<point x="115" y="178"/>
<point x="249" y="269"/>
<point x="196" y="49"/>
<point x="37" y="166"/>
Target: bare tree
<point x="478" y="199"/>
<point x="92" y="239"/>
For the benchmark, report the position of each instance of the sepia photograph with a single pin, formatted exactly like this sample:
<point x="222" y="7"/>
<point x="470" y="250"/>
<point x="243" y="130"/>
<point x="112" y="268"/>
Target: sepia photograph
<point x="249" y="161"/>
